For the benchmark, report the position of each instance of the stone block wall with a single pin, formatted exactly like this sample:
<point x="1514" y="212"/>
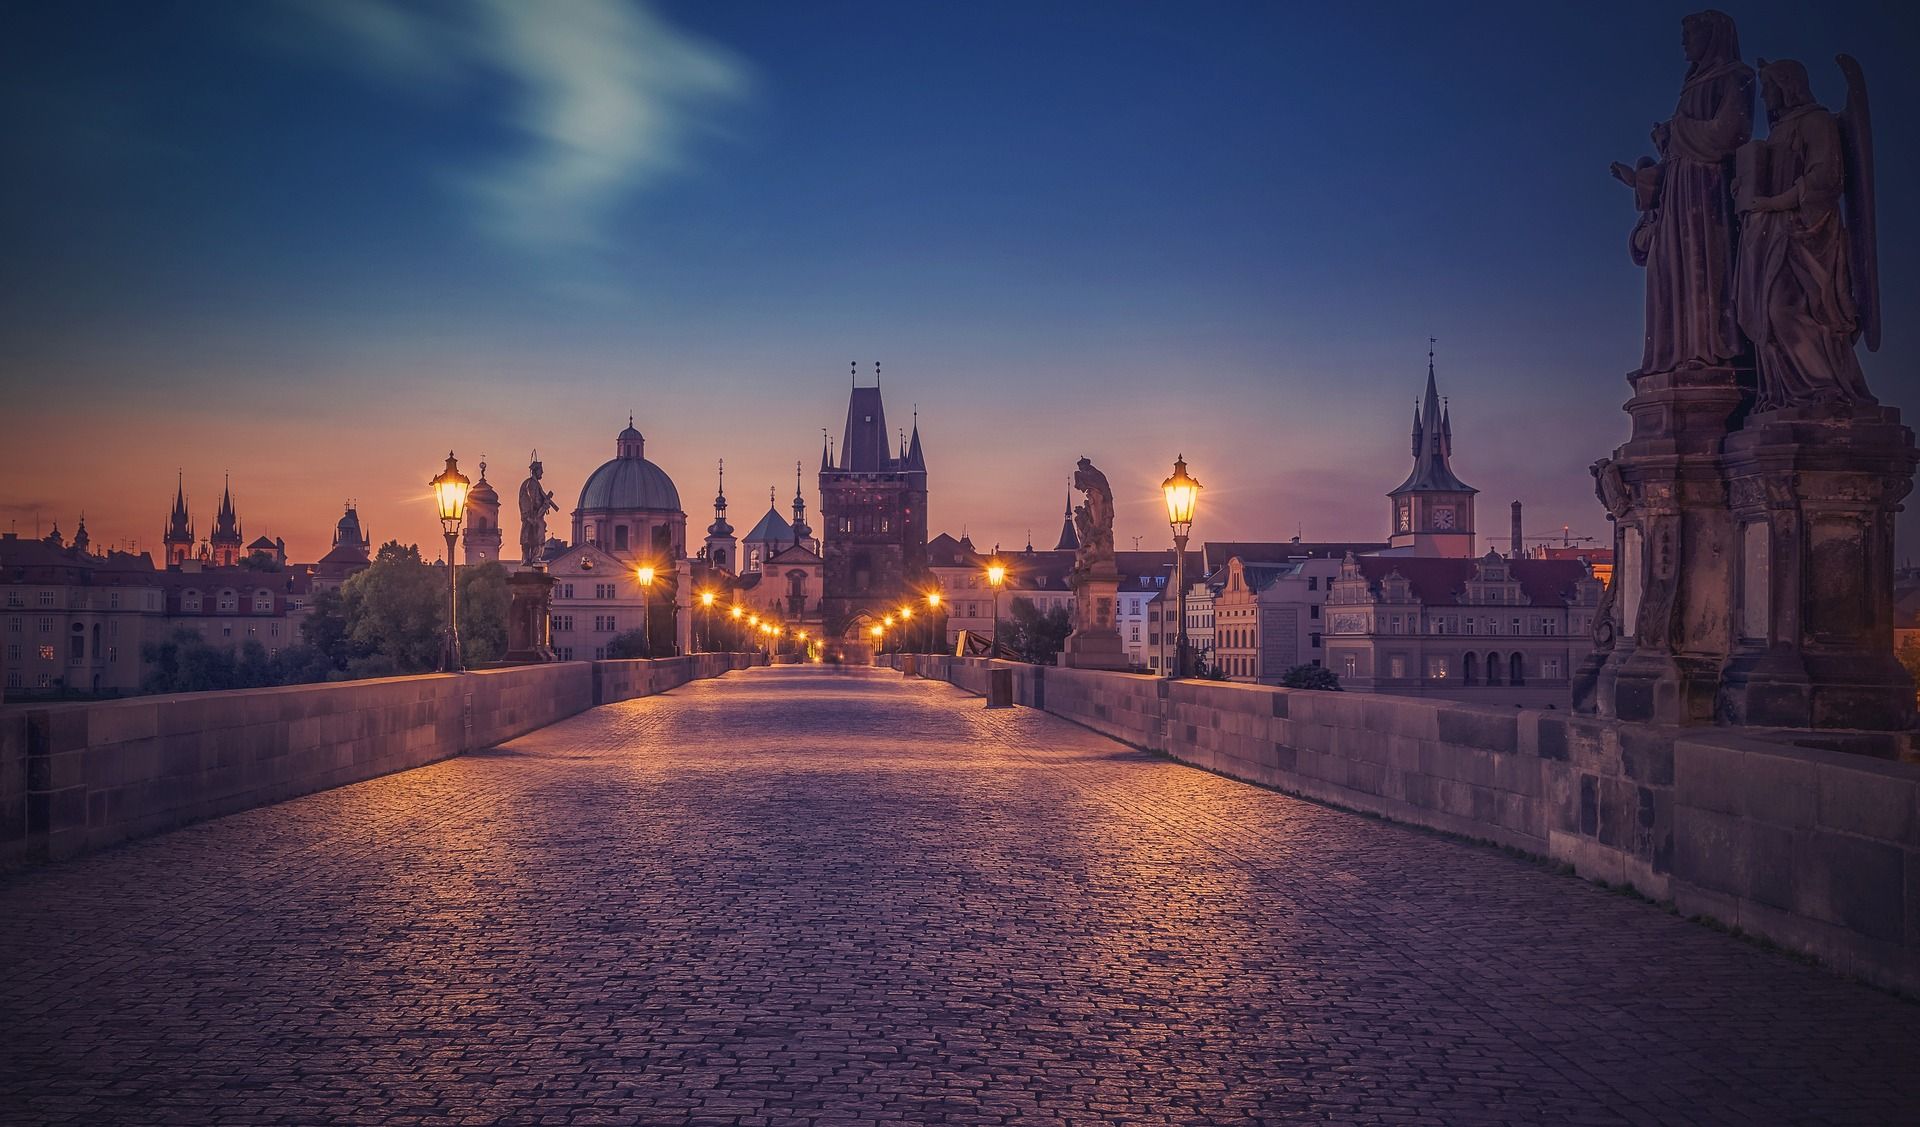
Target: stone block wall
<point x="627" y="679"/>
<point x="1813" y="848"/>
<point x="1817" y="850"/>
<point x="13" y="789"/>
<point x="79" y="777"/>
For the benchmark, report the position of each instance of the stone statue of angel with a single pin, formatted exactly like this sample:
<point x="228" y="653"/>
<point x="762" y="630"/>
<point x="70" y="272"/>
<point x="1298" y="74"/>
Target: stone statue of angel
<point x="1807" y="286"/>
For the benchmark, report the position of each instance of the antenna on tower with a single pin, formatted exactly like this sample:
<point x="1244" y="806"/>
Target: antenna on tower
<point x="853" y="373"/>
<point x="876" y="373"/>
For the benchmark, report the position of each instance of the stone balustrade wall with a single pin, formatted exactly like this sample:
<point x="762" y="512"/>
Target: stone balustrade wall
<point x="1815" y="848"/>
<point x="79" y="777"/>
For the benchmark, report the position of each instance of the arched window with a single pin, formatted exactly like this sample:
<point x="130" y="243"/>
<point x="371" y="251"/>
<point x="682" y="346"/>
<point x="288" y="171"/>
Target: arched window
<point x="263" y="601"/>
<point x="1469" y="668"/>
<point x="1493" y="669"/>
<point x="229" y="600"/>
<point x="190" y="601"/>
<point x="1518" y="674"/>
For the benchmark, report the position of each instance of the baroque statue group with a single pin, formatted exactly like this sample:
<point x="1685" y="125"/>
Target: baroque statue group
<point x="1754" y="504"/>
<point x="1758" y="249"/>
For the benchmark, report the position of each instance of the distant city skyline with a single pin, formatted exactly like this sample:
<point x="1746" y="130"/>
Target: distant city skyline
<point x="1127" y="232"/>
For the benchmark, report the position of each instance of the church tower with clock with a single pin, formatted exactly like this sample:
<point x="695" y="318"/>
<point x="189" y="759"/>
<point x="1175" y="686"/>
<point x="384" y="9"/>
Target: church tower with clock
<point x="1433" y="510"/>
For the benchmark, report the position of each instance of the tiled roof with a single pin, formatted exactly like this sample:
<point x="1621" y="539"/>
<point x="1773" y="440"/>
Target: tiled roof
<point x="1440" y="582"/>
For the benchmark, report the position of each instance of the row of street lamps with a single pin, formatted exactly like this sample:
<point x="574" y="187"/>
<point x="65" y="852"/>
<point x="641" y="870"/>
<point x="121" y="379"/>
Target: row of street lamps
<point x="450" y="490"/>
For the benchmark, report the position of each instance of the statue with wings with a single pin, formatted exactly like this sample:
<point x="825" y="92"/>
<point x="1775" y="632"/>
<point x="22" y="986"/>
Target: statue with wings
<point x="1807" y="284"/>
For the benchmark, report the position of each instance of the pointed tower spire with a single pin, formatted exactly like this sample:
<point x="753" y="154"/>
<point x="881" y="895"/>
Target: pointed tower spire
<point x="720" y="529"/>
<point x="826" y="451"/>
<point x="916" y="458"/>
<point x="1069" y="539"/>
<point x="1433" y="508"/>
<point x="800" y="529"/>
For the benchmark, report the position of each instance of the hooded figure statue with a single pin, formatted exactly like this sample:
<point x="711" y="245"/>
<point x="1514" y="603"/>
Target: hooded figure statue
<point x="1685" y="235"/>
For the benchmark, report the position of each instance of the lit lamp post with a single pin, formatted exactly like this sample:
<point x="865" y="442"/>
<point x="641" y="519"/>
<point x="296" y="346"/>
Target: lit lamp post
<point x="933" y="615"/>
<point x="996" y="575"/>
<point x="706" y="619"/>
<point x="644" y="573"/>
<point x="906" y="616"/>
<point x="1182" y="493"/>
<point x="450" y="493"/>
<point x="735" y="612"/>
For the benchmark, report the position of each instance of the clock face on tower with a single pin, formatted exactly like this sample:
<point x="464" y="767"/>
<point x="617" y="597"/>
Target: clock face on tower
<point x="1443" y="517"/>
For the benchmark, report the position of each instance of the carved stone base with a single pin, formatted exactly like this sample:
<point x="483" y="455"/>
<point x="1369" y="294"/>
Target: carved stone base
<point x="1672" y="560"/>
<point x="530" y="617"/>
<point x="1651" y="687"/>
<point x="1095" y="641"/>
<point x="1814" y="491"/>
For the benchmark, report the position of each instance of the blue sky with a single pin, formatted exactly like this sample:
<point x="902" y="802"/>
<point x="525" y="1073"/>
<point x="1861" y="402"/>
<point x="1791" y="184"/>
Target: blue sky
<point x="316" y="244"/>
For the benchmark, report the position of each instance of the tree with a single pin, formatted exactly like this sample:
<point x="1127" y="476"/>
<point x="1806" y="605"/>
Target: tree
<point x="396" y="609"/>
<point x="1311" y="676"/>
<point x="260" y="561"/>
<point x="325" y="629"/>
<point x="632" y="643"/>
<point x="184" y="662"/>
<point x="484" y="600"/>
<point x="1035" y="636"/>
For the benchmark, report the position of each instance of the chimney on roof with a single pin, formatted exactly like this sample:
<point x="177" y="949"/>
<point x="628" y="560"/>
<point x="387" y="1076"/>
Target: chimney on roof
<point x="1519" y="545"/>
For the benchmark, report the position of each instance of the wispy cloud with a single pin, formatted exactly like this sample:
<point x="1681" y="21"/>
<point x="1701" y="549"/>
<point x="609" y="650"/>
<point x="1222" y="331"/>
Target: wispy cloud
<point x="604" y="97"/>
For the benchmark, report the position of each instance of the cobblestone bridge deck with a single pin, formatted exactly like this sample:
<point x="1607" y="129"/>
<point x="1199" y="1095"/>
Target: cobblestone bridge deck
<point x="805" y="896"/>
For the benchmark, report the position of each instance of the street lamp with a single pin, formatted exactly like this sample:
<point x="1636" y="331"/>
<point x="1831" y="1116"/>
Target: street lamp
<point x="644" y="573"/>
<point x="996" y="575"/>
<point x="933" y="614"/>
<point x="450" y="494"/>
<point x="906" y="616"/>
<point x="706" y="626"/>
<point x="1182" y="493"/>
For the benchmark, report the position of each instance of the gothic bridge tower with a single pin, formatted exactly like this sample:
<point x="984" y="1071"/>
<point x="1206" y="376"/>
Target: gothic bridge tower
<point x="873" y="510"/>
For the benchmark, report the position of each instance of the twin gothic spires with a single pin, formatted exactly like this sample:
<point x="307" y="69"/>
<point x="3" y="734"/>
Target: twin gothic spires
<point x="223" y="542"/>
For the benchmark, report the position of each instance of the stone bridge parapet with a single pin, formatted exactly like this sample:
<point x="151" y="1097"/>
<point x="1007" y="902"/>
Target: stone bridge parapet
<point x="1808" y="840"/>
<point x="79" y="777"/>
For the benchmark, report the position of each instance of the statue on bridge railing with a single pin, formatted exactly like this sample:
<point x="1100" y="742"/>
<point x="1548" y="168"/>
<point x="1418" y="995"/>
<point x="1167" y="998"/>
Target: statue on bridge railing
<point x="535" y="504"/>
<point x="1095" y="641"/>
<point x="1093" y="521"/>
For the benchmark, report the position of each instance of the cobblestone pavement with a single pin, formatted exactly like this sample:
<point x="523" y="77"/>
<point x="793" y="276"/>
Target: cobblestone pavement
<point x="801" y="896"/>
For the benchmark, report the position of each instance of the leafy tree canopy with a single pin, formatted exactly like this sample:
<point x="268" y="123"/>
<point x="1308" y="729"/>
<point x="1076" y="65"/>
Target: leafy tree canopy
<point x="1310" y="676"/>
<point x="1034" y="635"/>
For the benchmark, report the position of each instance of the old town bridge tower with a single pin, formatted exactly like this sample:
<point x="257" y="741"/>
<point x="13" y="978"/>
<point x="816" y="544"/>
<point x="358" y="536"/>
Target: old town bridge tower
<point x="873" y="507"/>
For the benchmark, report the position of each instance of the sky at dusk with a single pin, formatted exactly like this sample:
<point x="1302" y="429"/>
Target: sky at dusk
<point x="314" y="245"/>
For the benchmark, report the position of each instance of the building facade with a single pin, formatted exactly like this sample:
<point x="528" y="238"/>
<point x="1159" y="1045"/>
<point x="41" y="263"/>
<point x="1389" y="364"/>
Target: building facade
<point x="75" y="622"/>
<point x="1493" y="629"/>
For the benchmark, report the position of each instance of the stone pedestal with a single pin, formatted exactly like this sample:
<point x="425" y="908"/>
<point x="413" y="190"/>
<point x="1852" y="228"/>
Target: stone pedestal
<point x="1095" y="641"/>
<point x="530" y="617"/>
<point x="1813" y="493"/>
<point x="1673" y="553"/>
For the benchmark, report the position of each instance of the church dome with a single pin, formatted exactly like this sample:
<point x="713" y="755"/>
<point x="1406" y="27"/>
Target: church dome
<point x="629" y="481"/>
